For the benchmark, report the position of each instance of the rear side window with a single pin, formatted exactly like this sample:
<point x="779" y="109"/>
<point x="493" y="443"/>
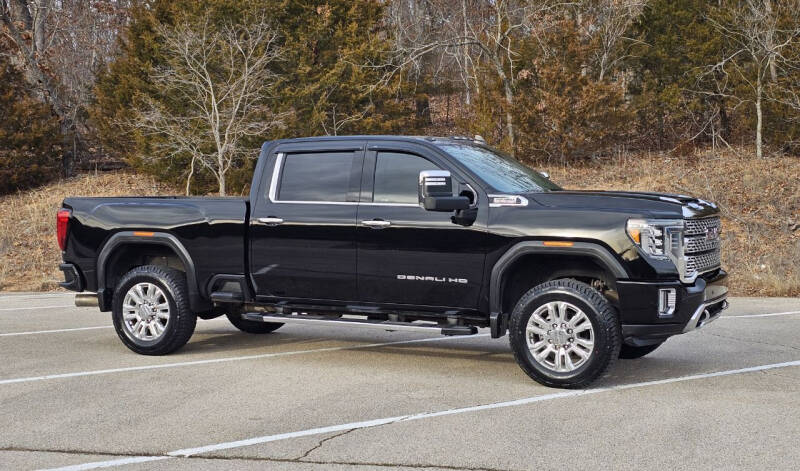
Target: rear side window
<point x="323" y="176"/>
<point x="397" y="177"/>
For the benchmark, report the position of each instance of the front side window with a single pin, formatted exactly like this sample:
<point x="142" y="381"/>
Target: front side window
<point x="397" y="177"/>
<point x="501" y="172"/>
<point x="323" y="176"/>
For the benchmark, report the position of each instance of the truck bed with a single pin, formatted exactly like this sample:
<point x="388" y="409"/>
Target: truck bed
<point x="213" y="230"/>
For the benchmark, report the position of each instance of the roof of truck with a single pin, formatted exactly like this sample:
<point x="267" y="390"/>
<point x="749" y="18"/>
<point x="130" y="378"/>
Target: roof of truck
<point x="476" y="140"/>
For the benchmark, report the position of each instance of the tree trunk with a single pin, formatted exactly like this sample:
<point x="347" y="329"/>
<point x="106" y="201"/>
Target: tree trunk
<point x="189" y="178"/>
<point x="509" y="93"/>
<point x="759" y="118"/>
<point x="423" y="113"/>
<point x="465" y="48"/>
<point x="221" y="180"/>
<point x="509" y="114"/>
<point x="41" y="10"/>
<point x="724" y="120"/>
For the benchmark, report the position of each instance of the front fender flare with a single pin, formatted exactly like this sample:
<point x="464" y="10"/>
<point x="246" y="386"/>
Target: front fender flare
<point x="497" y="321"/>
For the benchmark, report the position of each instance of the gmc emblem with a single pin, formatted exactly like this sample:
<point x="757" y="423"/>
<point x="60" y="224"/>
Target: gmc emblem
<point x="712" y="233"/>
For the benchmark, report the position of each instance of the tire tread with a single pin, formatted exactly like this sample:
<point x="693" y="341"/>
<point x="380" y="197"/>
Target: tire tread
<point x="185" y="319"/>
<point x="607" y="316"/>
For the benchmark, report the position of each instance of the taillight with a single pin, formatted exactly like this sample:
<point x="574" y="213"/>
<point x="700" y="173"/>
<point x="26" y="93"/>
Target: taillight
<point x="62" y="225"/>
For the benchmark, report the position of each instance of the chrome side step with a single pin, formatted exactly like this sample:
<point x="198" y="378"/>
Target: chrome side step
<point x="365" y="323"/>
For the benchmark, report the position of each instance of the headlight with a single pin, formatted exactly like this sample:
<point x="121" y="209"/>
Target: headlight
<point x="649" y="235"/>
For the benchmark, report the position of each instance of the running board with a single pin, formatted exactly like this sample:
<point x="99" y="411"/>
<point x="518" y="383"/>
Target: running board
<point x="369" y="324"/>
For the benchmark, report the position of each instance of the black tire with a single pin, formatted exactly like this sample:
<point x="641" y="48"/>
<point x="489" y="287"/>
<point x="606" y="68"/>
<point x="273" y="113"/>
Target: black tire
<point x="605" y="325"/>
<point x="252" y="327"/>
<point x="629" y="352"/>
<point x="182" y="320"/>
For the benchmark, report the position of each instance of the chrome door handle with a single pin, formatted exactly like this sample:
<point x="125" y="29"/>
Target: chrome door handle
<point x="376" y="223"/>
<point x="271" y="221"/>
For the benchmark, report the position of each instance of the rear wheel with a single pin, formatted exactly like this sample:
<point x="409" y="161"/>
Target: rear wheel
<point x="629" y="352"/>
<point x="151" y="311"/>
<point x="252" y="327"/>
<point x="564" y="334"/>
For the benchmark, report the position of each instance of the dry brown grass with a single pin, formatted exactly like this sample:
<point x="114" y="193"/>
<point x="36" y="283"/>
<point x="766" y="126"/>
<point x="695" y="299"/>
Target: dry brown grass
<point x="760" y="201"/>
<point x="29" y="254"/>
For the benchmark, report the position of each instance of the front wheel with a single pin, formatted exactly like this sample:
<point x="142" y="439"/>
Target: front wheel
<point x="151" y="310"/>
<point x="564" y="334"/>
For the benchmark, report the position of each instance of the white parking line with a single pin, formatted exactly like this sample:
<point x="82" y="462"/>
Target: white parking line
<point x="35" y="296"/>
<point x="222" y="360"/>
<point x="54" y="331"/>
<point x="108" y="464"/>
<point x="186" y="452"/>
<point x="38" y="307"/>
<point x="771" y="314"/>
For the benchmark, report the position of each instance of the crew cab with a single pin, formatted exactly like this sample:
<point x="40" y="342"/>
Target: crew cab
<point x="405" y="233"/>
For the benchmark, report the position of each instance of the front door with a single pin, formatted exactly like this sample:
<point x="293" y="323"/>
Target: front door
<point x="303" y="227"/>
<point x="407" y="255"/>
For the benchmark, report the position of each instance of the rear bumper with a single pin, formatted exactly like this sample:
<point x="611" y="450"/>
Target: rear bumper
<point x="697" y="305"/>
<point x="73" y="280"/>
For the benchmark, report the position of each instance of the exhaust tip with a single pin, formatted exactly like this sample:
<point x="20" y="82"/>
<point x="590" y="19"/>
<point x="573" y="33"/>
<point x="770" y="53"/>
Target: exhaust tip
<point x="86" y="300"/>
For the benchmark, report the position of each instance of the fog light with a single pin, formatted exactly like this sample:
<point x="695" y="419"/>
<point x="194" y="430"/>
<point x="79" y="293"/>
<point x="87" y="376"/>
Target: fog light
<point x="666" y="302"/>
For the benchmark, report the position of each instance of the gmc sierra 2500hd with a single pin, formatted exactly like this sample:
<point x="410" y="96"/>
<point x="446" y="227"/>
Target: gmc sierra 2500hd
<point x="405" y="233"/>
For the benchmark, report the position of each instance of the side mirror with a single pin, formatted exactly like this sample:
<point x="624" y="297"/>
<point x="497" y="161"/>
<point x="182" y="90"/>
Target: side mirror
<point x="545" y="175"/>
<point x="436" y="192"/>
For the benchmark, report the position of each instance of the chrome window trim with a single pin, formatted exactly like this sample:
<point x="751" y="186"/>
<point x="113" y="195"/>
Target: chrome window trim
<point x="273" y="187"/>
<point x="403" y="205"/>
<point x="273" y="190"/>
<point x="276" y="170"/>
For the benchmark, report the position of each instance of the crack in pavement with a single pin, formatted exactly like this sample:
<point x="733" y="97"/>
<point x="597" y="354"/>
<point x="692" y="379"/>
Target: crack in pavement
<point x="321" y="442"/>
<point x="68" y="451"/>
<point x="352" y="463"/>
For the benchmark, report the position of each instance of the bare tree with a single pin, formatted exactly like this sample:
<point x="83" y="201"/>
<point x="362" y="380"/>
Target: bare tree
<point x="214" y="94"/>
<point x="761" y="37"/>
<point x="607" y="22"/>
<point x="470" y="34"/>
<point x="59" y="45"/>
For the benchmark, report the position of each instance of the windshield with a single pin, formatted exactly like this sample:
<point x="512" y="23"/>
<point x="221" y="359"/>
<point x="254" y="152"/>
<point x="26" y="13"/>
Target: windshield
<point x="501" y="172"/>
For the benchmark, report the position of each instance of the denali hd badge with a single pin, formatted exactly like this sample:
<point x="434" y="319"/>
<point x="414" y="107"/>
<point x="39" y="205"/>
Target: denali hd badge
<point x="438" y="279"/>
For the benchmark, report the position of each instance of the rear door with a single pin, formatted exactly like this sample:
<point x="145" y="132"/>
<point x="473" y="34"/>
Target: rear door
<point x="303" y="226"/>
<point x="407" y="255"/>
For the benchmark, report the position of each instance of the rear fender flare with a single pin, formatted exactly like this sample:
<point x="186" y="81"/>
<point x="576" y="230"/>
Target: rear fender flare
<point x="120" y="239"/>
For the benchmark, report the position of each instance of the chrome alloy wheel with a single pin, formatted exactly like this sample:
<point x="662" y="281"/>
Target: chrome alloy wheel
<point x="145" y="311"/>
<point x="560" y="336"/>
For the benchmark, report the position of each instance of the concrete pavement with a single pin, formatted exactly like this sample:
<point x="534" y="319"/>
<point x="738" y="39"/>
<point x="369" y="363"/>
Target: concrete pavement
<point x="320" y="398"/>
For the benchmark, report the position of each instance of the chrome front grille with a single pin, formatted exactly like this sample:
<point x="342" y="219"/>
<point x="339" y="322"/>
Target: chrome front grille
<point x="703" y="262"/>
<point x="702" y="226"/>
<point x="701" y="246"/>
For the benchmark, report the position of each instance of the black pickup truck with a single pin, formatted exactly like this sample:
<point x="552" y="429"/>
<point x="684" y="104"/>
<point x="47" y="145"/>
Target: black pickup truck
<point x="405" y="233"/>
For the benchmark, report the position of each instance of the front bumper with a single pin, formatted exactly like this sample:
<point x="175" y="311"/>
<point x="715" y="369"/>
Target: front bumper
<point x="697" y="305"/>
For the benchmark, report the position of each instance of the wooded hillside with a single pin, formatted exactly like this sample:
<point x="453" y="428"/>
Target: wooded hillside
<point x="187" y="91"/>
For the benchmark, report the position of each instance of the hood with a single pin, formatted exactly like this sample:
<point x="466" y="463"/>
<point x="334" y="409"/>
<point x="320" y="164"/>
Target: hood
<point x="656" y="205"/>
